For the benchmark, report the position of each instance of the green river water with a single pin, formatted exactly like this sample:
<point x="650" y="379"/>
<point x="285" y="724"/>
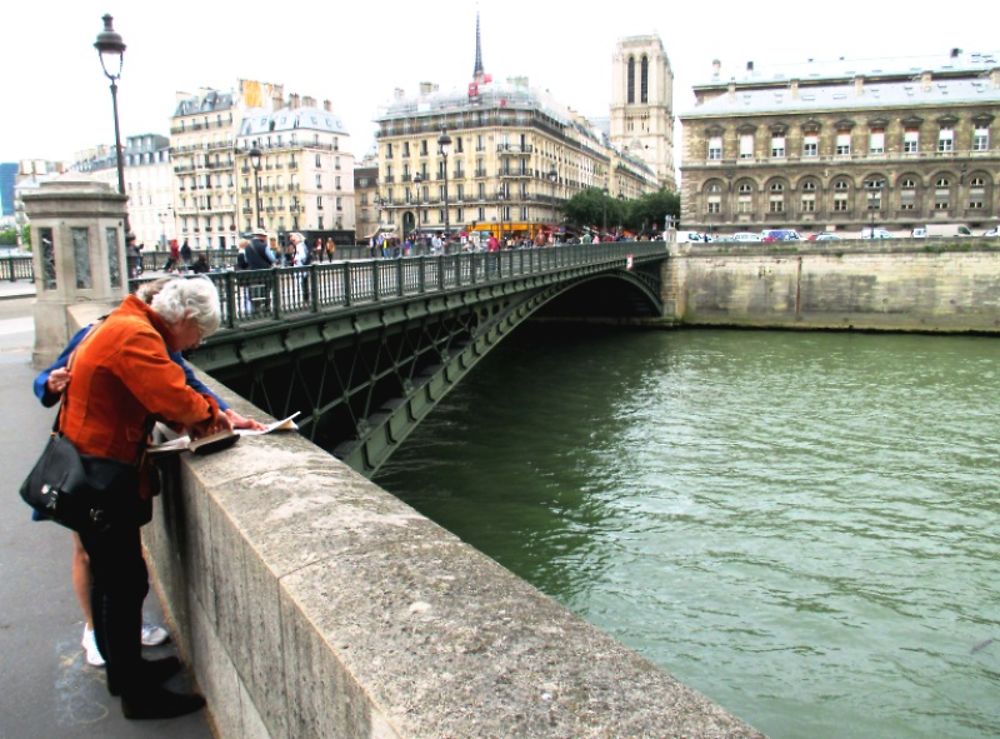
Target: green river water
<point x="803" y="526"/>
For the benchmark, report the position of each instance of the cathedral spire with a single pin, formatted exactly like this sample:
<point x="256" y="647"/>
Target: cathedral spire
<point x="477" y="73"/>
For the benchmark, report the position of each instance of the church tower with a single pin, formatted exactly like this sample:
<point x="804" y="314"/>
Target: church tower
<point x="642" y="108"/>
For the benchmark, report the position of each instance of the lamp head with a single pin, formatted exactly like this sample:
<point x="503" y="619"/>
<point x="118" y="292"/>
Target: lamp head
<point x="255" y="155"/>
<point x="444" y="142"/>
<point x="109" y="45"/>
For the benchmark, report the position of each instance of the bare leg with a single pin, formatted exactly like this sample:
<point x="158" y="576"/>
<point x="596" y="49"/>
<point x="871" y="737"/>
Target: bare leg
<point x="81" y="578"/>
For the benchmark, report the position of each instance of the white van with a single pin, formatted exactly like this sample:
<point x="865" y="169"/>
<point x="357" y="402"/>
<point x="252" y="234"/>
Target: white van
<point x="746" y="236"/>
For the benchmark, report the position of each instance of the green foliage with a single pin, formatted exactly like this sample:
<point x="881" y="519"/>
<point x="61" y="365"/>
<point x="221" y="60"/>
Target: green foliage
<point x="592" y="208"/>
<point x="8" y="237"/>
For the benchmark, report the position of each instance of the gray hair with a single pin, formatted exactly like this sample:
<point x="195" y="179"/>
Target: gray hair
<point x="299" y="238"/>
<point x="195" y="298"/>
<point x="149" y="290"/>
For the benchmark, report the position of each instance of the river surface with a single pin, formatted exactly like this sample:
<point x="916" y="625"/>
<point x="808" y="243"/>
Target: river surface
<point x="803" y="526"/>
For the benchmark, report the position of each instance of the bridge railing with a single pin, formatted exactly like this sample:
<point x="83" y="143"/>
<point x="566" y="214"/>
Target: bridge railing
<point x="13" y="268"/>
<point x="287" y="292"/>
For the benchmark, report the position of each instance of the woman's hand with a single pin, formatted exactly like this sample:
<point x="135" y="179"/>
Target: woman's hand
<point x="58" y="380"/>
<point x="242" y="422"/>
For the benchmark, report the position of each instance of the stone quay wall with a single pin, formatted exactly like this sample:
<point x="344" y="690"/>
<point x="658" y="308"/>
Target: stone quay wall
<point x="312" y="603"/>
<point x="931" y="286"/>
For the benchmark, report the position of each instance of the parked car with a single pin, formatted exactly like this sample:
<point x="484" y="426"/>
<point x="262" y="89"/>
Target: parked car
<point x="686" y="237"/>
<point x="780" y="234"/>
<point x="746" y="236"/>
<point x="824" y="236"/>
<point x="876" y="233"/>
<point x="994" y="232"/>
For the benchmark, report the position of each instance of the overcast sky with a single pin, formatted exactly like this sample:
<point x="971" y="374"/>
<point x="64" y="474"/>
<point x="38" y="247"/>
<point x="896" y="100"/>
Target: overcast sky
<point x="57" y="100"/>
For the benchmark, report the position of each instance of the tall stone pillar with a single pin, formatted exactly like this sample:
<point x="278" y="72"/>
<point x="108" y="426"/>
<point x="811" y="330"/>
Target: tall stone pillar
<point x="78" y="244"/>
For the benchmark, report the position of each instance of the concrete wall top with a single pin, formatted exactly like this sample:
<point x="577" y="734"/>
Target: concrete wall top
<point x="318" y="604"/>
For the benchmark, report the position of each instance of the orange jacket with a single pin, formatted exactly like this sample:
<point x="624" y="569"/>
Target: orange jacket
<point x="122" y="376"/>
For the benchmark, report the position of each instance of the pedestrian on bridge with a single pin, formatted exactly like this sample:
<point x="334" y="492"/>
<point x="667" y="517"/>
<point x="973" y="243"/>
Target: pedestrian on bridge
<point x="121" y="375"/>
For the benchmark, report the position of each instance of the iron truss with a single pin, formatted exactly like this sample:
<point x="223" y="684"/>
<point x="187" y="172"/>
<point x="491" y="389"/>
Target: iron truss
<point x="364" y="377"/>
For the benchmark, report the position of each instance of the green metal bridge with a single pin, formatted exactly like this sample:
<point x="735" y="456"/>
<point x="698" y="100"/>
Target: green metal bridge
<point x="366" y="349"/>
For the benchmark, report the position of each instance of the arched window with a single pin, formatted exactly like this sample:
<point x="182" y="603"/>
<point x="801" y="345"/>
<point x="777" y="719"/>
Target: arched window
<point x="644" y="87"/>
<point x="631" y="79"/>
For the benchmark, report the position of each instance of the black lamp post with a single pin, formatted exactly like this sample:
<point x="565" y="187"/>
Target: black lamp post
<point x="501" y="195"/>
<point x="418" y="180"/>
<point x="255" y="155"/>
<point x="444" y="146"/>
<point x="109" y="45"/>
<point x="553" y="178"/>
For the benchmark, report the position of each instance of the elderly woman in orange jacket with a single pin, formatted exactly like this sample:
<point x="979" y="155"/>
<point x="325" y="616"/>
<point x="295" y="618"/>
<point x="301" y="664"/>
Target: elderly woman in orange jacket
<point x="123" y="380"/>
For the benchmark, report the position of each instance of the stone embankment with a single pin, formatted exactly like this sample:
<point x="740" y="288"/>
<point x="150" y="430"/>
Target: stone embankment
<point x="901" y="285"/>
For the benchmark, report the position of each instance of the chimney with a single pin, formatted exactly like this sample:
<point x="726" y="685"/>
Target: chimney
<point x="426" y="88"/>
<point x="794" y="88"/>
<point x="955" y="53"/>
<point x="181" y="96"/>
<point x="398" y="93"/>
<point x="716" y="68"/>
<point x="859" y="85"/>
<point x="327" y="106"/>
<point x="925" y="81"/>
<point x="308" y="102"/>
<point x="750" y="68"/>
<point x="293" y="100"/>
<point x="277" y="103"/>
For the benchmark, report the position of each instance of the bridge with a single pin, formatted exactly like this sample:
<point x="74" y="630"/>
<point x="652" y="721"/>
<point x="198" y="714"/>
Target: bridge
<point x="365" y="349"/>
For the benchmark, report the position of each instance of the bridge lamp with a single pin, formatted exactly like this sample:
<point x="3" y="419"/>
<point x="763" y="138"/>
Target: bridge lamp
<point x="255" y="155"/>
<point x="501" y="195"/>
<point x="111" y="51"/>
<point x="418" y="180"/>
<point x="553" y="178"/>
<point x="444" y="146"/>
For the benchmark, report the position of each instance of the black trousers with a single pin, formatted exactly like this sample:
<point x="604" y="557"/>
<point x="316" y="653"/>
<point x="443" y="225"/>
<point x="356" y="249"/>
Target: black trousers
<point x="119" y="583"/>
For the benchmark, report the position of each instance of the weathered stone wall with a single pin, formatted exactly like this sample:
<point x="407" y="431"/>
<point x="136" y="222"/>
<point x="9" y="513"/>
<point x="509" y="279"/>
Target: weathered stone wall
<point x="933" y="286"/>
<point x="312" y="603"/>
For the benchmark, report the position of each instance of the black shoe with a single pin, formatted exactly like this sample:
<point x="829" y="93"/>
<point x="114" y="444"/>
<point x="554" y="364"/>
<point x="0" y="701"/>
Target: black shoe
<point x="156" y="702"/>
<point x="152" y="672"/>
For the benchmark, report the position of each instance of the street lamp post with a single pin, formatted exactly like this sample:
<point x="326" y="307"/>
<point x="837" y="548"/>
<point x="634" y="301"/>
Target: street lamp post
<point x="553" y="178"/>
<point x="255" y="155"/>
<point x="500" y="198"/>
<point x="444" y="145"/>
<point x="163" y="229"/>
<point x="109" y="45"/>
<point x="418" y="180"/>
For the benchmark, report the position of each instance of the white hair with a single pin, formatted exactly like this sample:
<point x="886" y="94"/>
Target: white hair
<point x="196" y="298"/>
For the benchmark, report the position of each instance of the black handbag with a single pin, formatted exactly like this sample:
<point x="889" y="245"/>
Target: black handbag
<point x="81" y="492"/>
<point x="59" y="488"/>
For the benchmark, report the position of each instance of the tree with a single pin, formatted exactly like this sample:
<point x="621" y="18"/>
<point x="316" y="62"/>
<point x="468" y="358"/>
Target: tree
<point x="649" y="212"/>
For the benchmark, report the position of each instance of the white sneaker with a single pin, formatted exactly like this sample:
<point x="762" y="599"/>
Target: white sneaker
<point x="153" y="635"/>
<point x="89" y="644"/>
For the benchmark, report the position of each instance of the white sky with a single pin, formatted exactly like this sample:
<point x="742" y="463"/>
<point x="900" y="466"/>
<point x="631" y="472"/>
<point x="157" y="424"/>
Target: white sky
<point x="356" y="52"/>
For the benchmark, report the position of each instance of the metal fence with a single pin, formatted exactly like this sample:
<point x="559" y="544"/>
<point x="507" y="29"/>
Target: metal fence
<point x="16" y="268"/>
<point x="272" y="294"/>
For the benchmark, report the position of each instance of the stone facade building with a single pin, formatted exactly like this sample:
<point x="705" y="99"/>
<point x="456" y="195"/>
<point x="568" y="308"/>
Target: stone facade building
<point x="893" y="143"/>
<point x="149" y="183"/>
<point x="366" y="198"/>
<point x="306" y="176"/>
<point x="515" y="156"/>
<point x="642" y="112"/>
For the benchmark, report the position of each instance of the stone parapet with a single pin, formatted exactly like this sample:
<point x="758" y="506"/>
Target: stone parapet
<point x="313" y="603"/>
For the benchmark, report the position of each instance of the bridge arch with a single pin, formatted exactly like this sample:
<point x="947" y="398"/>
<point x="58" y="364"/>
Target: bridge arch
<point x="364" y="379"/>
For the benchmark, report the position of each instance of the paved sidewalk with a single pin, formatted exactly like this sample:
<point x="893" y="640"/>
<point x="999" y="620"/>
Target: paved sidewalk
<point x="46" y="687"/>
